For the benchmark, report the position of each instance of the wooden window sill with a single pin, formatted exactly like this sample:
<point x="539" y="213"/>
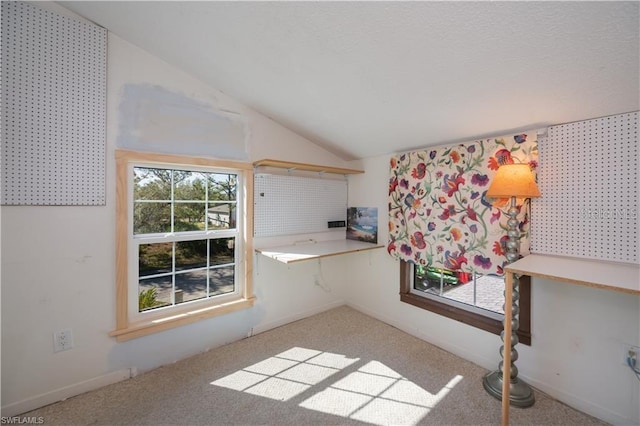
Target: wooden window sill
<point x="178" y="318"/>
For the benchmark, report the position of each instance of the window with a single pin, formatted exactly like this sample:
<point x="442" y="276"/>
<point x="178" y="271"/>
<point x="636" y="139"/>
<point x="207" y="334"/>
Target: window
<point x="439" y="215"/>
<point x="470" y="291"/>
<point x="427" y="289"/>
<point x="183" y="240"/>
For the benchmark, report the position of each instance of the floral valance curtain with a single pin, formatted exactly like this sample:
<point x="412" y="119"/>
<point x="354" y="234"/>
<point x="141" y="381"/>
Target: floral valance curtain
<point x="438" y="213"/>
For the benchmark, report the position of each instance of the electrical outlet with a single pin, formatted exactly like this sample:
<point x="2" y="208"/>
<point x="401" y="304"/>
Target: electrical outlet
<point x="62" y="340"/>
<point x="630" y="351"/>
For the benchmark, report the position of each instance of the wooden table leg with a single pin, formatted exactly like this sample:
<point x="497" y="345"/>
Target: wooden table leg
<point x="506" y="359"/>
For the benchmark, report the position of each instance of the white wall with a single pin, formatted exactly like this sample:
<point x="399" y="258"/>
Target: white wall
<point x="58" y="266"/>
<point x="577" y="332"/>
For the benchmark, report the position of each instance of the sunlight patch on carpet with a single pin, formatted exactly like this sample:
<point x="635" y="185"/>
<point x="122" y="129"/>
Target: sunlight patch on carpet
<point x="377" y="394"/>
<point x="286" y="375"/>
<point x="374" y="393"/>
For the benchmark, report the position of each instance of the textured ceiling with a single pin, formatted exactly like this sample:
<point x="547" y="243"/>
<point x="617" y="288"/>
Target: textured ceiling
<point x="369" y="78"/>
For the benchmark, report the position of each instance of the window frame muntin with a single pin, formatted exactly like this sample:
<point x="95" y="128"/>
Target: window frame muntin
<point x="455" y="303"/>
<point x="135" y="240"/>
<point x="129" y="328"/>
<point x="467" y="317"/>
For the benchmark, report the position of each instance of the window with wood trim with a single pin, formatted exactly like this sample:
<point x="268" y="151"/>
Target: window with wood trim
<point x="183" y="240"/>
<point x="469" y="314"/>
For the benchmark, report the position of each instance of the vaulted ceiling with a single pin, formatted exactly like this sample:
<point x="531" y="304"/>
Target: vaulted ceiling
<point x="364" y="79"/>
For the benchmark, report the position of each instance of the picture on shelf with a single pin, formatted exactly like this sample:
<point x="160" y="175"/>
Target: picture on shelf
<point x="362" y="224"/>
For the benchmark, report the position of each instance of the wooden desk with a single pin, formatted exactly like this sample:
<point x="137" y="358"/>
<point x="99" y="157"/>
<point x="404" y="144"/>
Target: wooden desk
<point x="622" y="277"/>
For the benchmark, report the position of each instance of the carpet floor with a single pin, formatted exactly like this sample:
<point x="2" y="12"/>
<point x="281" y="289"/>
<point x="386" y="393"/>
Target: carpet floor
<point x="340" y="367"/>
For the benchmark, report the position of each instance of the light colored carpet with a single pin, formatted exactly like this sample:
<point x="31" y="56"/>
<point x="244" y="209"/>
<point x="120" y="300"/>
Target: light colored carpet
<point x="337" y="367"/>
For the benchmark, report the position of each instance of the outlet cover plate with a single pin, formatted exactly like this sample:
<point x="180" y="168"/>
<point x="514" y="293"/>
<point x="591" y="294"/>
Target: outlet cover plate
<point x="62" y="340"/>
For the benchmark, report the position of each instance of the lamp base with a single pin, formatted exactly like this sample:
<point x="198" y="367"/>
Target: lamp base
<point x="520" y="393"/>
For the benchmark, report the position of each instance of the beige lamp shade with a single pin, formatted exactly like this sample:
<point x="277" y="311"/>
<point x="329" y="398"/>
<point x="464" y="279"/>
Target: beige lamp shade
<point x="513" y="180"/>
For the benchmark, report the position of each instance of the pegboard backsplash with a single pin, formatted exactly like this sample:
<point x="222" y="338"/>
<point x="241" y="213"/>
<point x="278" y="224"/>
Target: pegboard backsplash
<point x="288" y="205"/>
<point x="53" y="108"/>
<point x="588" y="177"/>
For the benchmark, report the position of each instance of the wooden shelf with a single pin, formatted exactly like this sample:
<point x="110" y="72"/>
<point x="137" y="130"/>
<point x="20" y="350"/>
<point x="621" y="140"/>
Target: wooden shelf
<point x="315" y="250"/>
<point x="306" y="167"/>
<point x="622" y="277"/>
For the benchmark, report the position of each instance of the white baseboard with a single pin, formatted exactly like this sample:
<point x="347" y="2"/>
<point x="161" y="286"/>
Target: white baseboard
<point x="261" y="328"/>
<point x="63" y="393"/>
<point x="579" y="404"/>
